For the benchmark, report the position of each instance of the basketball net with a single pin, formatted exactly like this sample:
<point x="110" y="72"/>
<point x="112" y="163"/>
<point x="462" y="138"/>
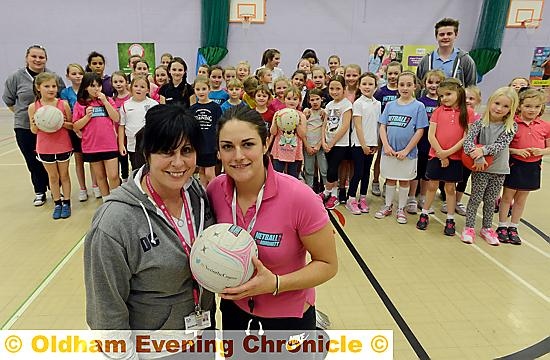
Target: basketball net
<point x="245" y="21"/>
<point x="530" y="25"/>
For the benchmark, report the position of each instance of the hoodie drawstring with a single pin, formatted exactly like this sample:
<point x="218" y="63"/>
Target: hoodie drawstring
<point x="148" y="220"/>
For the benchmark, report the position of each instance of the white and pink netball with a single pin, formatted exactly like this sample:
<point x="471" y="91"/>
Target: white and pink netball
<point x="221" y="257"/>
<point x="49" y="118"/>
<point x="287" y="119"/>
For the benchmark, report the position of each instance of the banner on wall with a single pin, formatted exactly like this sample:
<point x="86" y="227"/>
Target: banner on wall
<point x="408" y="55"/>
<point x="380" y="55"/>
<point x="412" y="54"/>
<point x="540" y="70"/>
<point x="145" y="50"/>
<point x="540" y="67"/>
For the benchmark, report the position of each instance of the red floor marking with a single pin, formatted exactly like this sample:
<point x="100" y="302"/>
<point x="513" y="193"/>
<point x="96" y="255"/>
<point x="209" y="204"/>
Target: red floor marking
<point x="341" y="217"/>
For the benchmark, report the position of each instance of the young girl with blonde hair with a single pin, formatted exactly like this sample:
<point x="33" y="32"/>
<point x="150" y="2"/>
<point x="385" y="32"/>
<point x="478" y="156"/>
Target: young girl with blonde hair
<point x="53" y="149"/>
<point x="490" y="135"/>
<point x="243" y="70"/>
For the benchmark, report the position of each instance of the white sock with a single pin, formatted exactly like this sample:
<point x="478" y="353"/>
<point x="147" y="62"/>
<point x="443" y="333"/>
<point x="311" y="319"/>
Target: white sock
<point x="403" y="195"/>
<point x="513" y="225"/>
<point x="326" y="192"/>
<point x="411" y="198"/>
<point x="334" y="192"/>
<point x="390" y="191"/>
<point x="502" y="224"/>
<point x="350" y="199"/>
<point x="425" y="211"/>
<point x="449" y="216"/>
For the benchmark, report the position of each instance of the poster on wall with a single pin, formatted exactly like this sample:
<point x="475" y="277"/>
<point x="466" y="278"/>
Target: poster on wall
<point x="144" y="50"/>
<point x="540" y="70"/>
<point x="380" y="55"/>
<point x="412" y="54"/>
<point x="408" y="55"/>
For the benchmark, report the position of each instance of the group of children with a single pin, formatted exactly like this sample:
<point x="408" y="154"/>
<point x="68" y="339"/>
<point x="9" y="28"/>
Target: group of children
<point x="420" y="145"/>
<point x="345" y="121"/>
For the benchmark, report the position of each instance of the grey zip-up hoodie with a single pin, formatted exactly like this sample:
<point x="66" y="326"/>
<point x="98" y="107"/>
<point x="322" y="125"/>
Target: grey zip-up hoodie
<point x="464" y="67"/>
<point x="136" y="272"/>
<point x="18" y="92"/>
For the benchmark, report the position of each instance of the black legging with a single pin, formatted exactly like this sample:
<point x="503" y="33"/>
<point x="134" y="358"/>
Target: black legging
<point x="461" y="186"/>
<point x="26" y="141"/>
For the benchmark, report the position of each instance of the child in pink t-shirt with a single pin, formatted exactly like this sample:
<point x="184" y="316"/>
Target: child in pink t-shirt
<point x="289" y="129"/>
<point x="94" y="114"/>
<point x="54" y="149"/>
<point x="448" y="126"/>
<point x="280" y="85"/>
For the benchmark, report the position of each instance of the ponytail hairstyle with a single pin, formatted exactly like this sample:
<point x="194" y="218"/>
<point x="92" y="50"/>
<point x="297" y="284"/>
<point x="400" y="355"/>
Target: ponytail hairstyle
<point x="264" y="89"/>
<point x="310" y="54"/>
<point x="206" y="67"/>
<point x="268" y="55"/>
<point x="364" y="75"/>
<point x="187" y="91"/>
<point x="201" y="80"/>
<point x="250" y="116"/>
<point x="250" y="84"/>
<point x="394" y="63"/>
<point x="177" y="59"/>
<point x="40" y="79"/>
<point x="408" y="73"/>
<point x="529" y="93"/>
<point x="452" y="84"/>
<point x="293" y="90"/>
<point x="92" y="55"/>
<point x="340" y="79"/>
<point x="117" y="73"/>
<point x="476" y="91"/>
<point x="76" y="66"/>
<point x="137" y="78"/>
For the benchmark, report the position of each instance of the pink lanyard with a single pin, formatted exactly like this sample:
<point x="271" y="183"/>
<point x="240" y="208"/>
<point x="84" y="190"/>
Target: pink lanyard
<point x="160" y="203"/>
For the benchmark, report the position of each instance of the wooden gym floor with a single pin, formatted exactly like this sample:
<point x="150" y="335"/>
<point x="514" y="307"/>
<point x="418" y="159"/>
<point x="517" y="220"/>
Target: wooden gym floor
<point x="441" y="298"/>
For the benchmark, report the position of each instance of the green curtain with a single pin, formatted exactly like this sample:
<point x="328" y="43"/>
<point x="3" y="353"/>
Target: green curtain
<point x="214" y="28"/>
<point x="490" y="31"/>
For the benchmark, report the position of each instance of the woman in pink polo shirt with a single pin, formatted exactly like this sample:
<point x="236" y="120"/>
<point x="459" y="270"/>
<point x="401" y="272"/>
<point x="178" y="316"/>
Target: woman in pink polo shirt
<point x="287" y="221"/>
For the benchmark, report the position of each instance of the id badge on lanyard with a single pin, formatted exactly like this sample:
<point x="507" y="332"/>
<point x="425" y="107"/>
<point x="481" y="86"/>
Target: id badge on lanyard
<point x="199" y="319"/>
<point x="250" y="225"/>
<point x="258" y="204"/>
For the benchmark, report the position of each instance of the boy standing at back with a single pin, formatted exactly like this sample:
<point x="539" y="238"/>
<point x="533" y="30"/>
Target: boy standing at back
<point x="451" y="60"/>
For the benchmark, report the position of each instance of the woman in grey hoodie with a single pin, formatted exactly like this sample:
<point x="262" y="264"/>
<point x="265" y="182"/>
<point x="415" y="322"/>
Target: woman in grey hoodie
<point x="18" y="95"/>
<point x="136" y="254"/>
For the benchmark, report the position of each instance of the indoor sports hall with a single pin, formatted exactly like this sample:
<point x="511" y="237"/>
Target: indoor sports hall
<point x="442" y="299"/>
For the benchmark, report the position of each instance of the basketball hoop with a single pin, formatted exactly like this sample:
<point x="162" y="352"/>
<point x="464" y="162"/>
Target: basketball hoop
<point x="245" y="20"/>
<point x="531" y="25"/>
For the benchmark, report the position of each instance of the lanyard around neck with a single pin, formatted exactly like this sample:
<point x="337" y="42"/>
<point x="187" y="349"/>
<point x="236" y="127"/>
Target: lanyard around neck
<point x="258" y="204"/>
<point x="162" y="206"/>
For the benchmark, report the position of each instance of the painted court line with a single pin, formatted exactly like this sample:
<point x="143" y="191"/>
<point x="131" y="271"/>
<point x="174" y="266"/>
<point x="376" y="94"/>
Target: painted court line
<point x="523" y="241"/>
<point x="42" y="286"/>
<point x="532" y="228"/>
<point x="9" y="151"/>
<point x="504" y="268"/>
